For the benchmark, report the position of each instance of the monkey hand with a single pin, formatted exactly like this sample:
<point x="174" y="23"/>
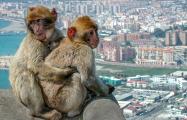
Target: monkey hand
<point x="103" y="93"/>
<point x="55" y="73"/>
<point x="111" y="88"/>
<point x="68" y="71"/>
<point x="65" y="72"/>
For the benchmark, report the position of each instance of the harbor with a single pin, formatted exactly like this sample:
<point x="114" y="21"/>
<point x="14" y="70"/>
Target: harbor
<point x="5" y="62"/>
<point x="16" y="25"/>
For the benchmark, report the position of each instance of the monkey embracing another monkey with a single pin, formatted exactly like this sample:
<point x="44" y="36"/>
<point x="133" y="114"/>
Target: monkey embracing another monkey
<point x="68" y="95"/>
<point x="42" y="37"/>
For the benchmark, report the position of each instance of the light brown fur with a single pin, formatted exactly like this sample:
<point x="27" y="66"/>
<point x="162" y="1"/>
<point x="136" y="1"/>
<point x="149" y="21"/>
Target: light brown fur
<point x="28" y="63"/>
<point x="69" y="95"/>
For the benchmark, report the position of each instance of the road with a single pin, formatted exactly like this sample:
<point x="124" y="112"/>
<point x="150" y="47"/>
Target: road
<point x="151" y="115"/>
<point x="134" y="65"/>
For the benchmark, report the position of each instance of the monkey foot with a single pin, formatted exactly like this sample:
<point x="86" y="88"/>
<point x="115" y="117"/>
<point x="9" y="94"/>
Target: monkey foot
<point x="55" y="115"/>
<point x="73" y="113"/>
<point x="111" y="88"/>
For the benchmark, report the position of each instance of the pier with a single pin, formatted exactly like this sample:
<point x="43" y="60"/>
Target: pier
<point x="5" y="62"/>
<point x="16" y="25"/>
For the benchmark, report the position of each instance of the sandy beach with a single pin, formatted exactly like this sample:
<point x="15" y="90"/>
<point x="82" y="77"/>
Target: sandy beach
<point x="15" y="26"/>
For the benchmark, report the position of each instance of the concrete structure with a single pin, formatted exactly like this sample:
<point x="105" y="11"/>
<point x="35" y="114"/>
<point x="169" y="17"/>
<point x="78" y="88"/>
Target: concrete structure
<point x="138" y="81"/>
<point x="130" y="111"/>
<point x="137" y="84"/>
<point x="111" y="50"/>
<point x="98" y="109"/>
<point x="177" y="37"/>
<point x="123" y="104"/>
<point x="155" y="56"/>
<point x="124" y="97"/>
<point x="179" y="73"/>
<point x="103" y="109"/>
<point x="114" y="50"/>
<point x="183" y="37"/>
<point x="5" y="61"/>
<point x="180" y="54"/>
<point x="139" y="77"/>
<point x="182" y="84"/>
<point x="111" y="80"/>
<point x="138" y="36"/>
<point x="169" y="82"/>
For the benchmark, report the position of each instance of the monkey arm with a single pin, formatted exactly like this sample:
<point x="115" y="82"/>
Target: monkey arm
<point x="53" y="73"/>
<point x="36" y="63"/>
<point x="86" y="68"/>
<point x="47" y="72"/>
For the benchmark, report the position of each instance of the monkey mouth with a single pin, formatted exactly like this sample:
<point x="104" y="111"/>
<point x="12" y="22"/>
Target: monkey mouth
<point x="41" y="37"/>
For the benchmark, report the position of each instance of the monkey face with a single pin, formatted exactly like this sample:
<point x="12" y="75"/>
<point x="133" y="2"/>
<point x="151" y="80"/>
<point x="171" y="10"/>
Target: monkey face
<point x="40" y="21"/>
<point x="44" y="22"/>
<point x="91" y="37"/>
<point x="85" y="30"/>
<point x="40" y="28"/>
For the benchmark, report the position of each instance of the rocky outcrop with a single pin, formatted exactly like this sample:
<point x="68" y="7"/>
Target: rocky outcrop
<point x="98" y="109"/>
<point x="10" y="109"/>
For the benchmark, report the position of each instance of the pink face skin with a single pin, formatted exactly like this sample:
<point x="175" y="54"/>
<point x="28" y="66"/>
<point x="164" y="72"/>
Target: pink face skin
<point x="39" y="29"/>
<point x="92" y="38"/>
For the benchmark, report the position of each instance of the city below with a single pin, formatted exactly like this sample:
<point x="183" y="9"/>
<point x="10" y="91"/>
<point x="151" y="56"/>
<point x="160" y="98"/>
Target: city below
<point x="142" y="50"/>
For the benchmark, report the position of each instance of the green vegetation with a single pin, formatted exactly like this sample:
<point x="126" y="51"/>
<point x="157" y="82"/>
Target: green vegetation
<point x="159" y="33"/>
<point x="110" y="70"/>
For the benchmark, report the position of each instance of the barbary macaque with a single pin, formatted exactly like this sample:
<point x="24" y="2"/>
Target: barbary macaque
<point x="42" y="37"/>
<point x="75" y="50"/>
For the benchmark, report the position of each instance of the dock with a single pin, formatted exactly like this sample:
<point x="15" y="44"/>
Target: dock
<point x="5" y="62"/>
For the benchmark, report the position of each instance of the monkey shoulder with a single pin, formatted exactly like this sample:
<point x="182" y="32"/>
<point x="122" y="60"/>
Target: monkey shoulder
<point x="19" y="62"/>
<point x="84" y="50"/>
<point x="55" y="39"/>
<point x="59" y="35"/>
<point x="22" y="51"/>
<point x="60" y="56"/>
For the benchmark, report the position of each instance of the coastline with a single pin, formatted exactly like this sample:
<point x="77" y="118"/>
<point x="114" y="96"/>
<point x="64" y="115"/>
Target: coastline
<point x="14" y="26"/>
<point x="5" y="62"/>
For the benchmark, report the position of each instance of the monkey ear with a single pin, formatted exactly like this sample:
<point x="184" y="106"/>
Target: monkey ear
<point x="54" y="13"/>
<point x="31" y="8"/>
<point x="71" y="32"/>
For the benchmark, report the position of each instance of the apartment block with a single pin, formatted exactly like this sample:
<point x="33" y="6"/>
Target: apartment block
<point x="115" y="51"/>
<point x="175" y="38"/>
<point x="155" y="56"/>
<point x="138" y="36"/>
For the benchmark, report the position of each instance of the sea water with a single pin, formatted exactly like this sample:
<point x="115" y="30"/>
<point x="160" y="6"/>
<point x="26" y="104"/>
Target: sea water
<point x="9" y="43"/>
<point x="4" y="82"/>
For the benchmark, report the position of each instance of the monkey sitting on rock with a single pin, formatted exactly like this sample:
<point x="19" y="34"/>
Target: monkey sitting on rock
<point x="42" y="37"/>
<point x="76" y="50"/>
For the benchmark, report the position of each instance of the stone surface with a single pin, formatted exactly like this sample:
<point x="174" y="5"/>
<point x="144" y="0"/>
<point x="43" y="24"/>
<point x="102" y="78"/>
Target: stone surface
<point x="98" y="109"/>
<point x="10" y="109"/>
<point x="103" y="109"/>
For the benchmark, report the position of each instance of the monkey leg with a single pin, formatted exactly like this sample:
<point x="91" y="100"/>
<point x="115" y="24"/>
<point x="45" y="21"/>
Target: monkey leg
<point x="79" y="97"/>
<point x="97" y="86"/>
<point x="31" y="96"/>
<point x="70" y="97"/>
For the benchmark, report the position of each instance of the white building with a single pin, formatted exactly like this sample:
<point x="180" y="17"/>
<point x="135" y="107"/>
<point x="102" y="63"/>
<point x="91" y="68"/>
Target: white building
<point x="173" y="80"/>
<point x="182" y="84"/>
<point x="139" y="77"/>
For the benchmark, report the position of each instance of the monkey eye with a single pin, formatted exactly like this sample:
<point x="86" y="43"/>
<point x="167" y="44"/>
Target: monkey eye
<point x="33" y="22"/>
<point x="91" y="32"/>
<point x="46" y="21"/>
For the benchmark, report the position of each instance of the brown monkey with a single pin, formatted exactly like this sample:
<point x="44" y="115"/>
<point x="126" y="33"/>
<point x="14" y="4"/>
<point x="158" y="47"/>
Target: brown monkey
<point x="75" y="50"/>
<point x="28" y="62"/>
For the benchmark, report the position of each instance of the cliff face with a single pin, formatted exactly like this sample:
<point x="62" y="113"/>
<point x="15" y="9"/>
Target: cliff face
<point x="98" y="109"/>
